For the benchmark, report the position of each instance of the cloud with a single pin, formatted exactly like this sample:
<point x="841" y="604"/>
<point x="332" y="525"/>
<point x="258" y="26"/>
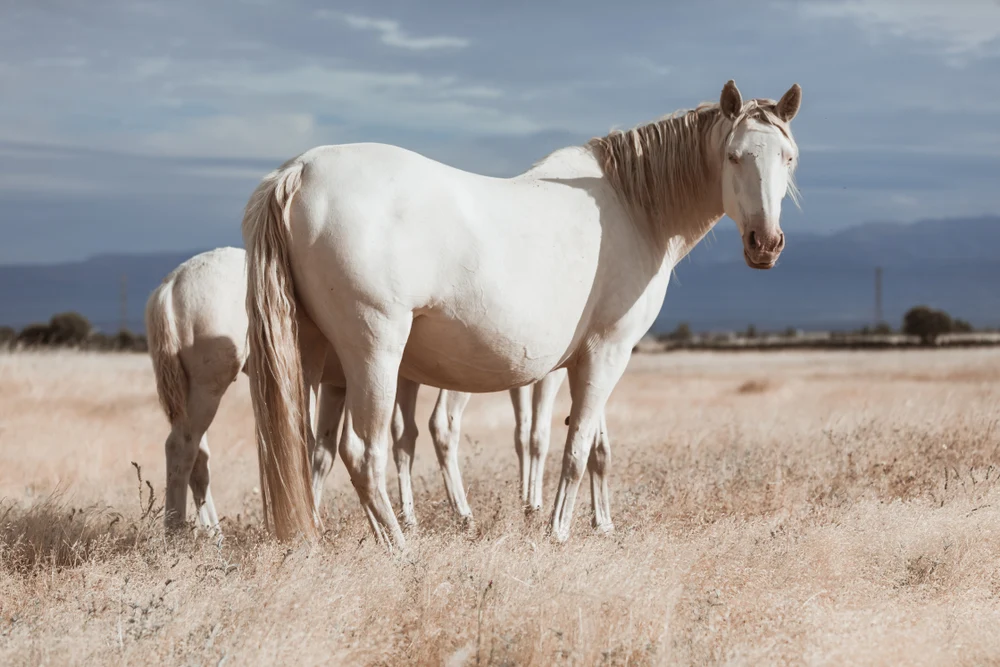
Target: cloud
<point x="392" y="34"/>
<point x="646" y="65"/>
<point x="234" y="136"/>
<point x="67" y="62"/>
<point x="409" y="100"/>
<point x="970" y="28"/>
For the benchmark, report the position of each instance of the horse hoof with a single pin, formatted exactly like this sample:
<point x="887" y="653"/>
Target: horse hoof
<point x="604" y="528"/>
<point x="559" y="535"/>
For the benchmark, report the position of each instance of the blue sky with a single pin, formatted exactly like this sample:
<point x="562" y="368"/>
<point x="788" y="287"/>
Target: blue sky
<point x="144" y="126"/>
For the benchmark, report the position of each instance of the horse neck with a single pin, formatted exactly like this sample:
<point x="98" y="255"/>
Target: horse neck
<point x="683" y="224"/>
<point x="667" y="177"/>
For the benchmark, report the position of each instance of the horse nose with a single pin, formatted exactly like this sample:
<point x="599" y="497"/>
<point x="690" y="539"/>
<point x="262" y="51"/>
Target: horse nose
<point x="765" y="242"/>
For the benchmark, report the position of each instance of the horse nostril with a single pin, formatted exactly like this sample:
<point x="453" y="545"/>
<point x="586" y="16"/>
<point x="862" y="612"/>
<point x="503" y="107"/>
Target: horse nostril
<point x="752" y="240"/>
<point x="781" y="241"/>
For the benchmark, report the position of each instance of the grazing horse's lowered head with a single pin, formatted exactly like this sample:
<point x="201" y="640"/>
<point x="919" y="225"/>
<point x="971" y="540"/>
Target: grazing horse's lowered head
<point x="760" y="158"/>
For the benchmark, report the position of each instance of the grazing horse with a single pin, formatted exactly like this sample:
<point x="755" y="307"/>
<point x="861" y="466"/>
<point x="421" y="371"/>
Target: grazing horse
<point x="197" y="329"/>
<point x="416" y="269"/>
<point x="196" y="324"/>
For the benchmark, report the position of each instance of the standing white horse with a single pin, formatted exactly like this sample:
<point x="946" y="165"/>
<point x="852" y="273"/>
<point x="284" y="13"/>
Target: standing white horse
<point x="197" y="329"/>
<point x="410" y="267"/>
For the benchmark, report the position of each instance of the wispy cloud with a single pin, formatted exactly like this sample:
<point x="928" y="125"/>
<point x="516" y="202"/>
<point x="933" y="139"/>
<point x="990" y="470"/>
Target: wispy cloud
<point x="970" y="28"/>
<point x="392" y="34"/>
<point x="402" y="99"/>
<point x="646" y="65"/>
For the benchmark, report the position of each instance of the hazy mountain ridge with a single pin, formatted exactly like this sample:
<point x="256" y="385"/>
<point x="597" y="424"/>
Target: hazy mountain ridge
<point x="821" y="281"/>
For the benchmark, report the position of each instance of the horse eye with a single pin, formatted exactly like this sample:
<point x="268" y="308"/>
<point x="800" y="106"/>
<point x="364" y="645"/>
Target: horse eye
<point x="734" y="158"/>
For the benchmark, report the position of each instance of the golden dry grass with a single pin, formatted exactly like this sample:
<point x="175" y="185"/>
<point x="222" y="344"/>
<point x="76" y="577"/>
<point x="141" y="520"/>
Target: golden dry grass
<point x="774" y="508"/>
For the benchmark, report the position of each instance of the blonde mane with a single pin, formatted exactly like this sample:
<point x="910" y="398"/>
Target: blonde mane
<point x="666" y="171"/>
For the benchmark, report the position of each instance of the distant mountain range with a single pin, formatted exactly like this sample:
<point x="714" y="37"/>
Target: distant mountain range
<point x="823" y="281"/>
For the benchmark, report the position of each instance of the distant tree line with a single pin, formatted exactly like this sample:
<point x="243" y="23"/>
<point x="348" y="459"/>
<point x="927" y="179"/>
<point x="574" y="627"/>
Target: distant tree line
<point x="922" y="322"/>
<point x="73" y="330"/>
<point x="70" y="330"/>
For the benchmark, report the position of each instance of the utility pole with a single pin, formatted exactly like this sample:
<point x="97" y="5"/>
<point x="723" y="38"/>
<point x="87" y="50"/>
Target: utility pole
<point x="878" y="296"/>
<point x="124" y="298"/>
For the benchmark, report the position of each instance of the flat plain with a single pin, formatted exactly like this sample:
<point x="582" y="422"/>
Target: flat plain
<point x="770" y="508"/>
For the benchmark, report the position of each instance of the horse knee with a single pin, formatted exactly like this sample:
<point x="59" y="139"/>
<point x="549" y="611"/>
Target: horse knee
<point x="522" y="436"/>
<point x="540" y="437"/>
<point x="440" y="427"/>
<point x="600" y="458"/>
<point x="443" y="431"/>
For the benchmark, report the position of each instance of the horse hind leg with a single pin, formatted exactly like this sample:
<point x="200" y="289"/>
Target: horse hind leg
<point x="543" y="400"/>
<point x="200" y="490"/>
<point x="520" y="398"/>
<point x="330" y="407"/>
<point x="446" y="429"/>
<point x="187" y="460"/>
<point x="404" y="443"/>
<point x="372" y="373"/>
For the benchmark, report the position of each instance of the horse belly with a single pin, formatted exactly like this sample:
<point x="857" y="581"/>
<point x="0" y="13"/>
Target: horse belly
<point x="446" y="352"/>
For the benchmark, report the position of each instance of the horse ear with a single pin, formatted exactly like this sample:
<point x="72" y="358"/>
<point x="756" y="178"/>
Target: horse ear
<point x="789" y="103"/>
<point x="731" y="101"/>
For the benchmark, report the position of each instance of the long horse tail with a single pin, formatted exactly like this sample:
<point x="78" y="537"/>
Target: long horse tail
<point x="275" y="365"/>
<point x="164" y="350"/>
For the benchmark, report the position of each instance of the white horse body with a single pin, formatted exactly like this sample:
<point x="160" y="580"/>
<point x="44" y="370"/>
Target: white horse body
<point x="197" y="327"/>
<point x="479" y="262"/>
<point x="412" y="268"/>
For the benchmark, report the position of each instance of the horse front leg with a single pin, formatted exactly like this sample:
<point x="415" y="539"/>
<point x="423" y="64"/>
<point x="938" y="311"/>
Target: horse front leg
<point x="597" y="464"/>
<point x="591" y="380"/>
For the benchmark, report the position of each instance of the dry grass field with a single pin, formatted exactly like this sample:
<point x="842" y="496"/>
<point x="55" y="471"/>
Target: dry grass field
<point x="770" y="508"/>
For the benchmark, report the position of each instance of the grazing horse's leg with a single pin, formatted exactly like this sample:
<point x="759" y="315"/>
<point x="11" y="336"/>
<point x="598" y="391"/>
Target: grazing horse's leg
<point x="200" y="490"/>
<point x="591" y="381"/>
<point x="404" y="442"/>
<point x="329" y="407"/>
<point x="372" y="372"/>
<point x="597" y="464"/>
<point x="544" y="396"/>
<point x="187" y="445"/>
<point x="446" y="429"/>
<point x="520" y="397"/>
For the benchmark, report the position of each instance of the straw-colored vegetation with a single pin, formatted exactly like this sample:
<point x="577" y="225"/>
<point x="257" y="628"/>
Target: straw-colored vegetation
<point x="770" y="508"/>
